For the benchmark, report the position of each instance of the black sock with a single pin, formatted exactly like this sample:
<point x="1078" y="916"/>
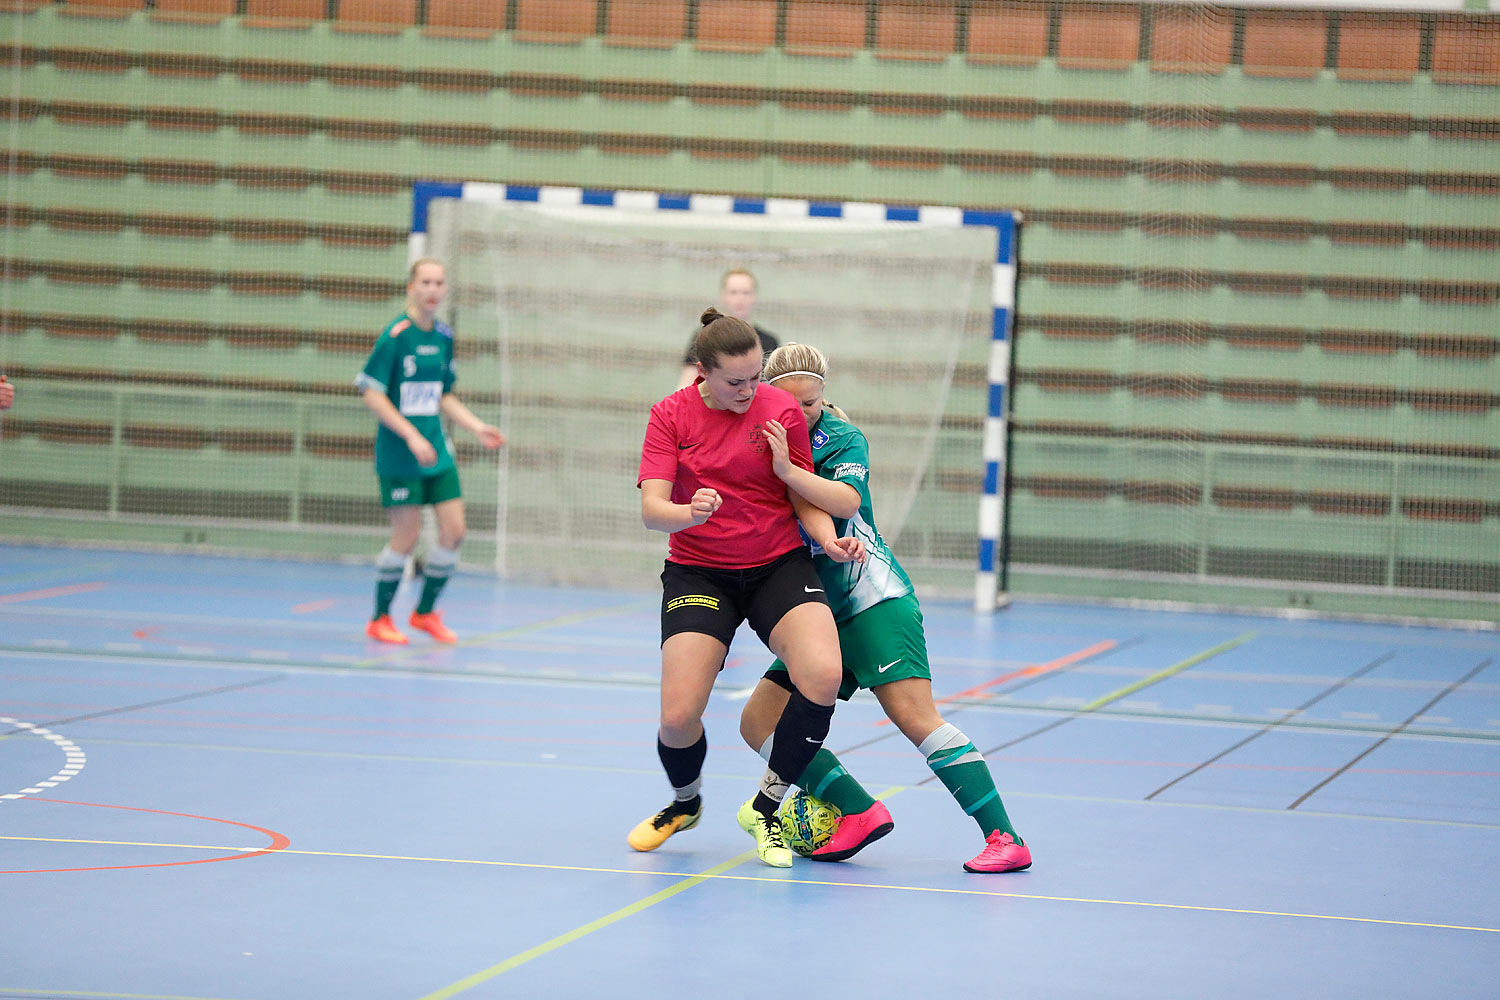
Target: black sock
<point x="800" y="733"/>
<point x="684" y="767"/>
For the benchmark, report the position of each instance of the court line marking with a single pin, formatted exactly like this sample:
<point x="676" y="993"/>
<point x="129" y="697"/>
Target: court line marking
<point x="279" y="842"/>
<point x="720" y="872"/>
<point x="1332" y="689"/>
<point x="204" y="659"/>
<point x="40" y="595"/>
<point x="400" y="654"/>
<point x="1454" y="686"/>
<point x="29" y="992"/>
<point x="1263" y="810"/>
<point x="1031" y="670"/>
<point x="74" y="759"/>
<point x="1093" y="706"/>
<point x="1163" y="674"/>
<point x="615" y="769"/>
<point x="171" y="700"/>
<point x="485" y="674"/>
<point x="536" y="951"/>
<point x="301" y="626"/>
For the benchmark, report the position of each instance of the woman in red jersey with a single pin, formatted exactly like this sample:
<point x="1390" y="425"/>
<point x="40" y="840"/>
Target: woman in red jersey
<point x="735" y="554"/>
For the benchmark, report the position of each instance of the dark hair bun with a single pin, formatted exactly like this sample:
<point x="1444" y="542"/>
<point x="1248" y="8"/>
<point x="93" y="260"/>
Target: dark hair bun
<point x="709" y="315"/>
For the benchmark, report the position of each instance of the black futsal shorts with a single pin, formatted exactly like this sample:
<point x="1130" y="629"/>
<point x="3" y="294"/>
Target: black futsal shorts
<point x="715" y="601"/>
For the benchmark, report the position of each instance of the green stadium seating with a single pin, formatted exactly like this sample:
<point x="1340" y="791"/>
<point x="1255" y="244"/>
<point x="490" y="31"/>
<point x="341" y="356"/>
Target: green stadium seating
<point x="1298" y="216"/>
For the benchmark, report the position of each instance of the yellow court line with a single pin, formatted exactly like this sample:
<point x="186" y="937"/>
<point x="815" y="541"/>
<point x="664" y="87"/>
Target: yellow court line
<point x="717" y="872"/>
<point x="1161" y="675"/>
<point x="522" y="958"/>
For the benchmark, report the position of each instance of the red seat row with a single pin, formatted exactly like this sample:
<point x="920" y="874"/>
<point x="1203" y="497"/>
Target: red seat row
<point x="1376" y="46"/>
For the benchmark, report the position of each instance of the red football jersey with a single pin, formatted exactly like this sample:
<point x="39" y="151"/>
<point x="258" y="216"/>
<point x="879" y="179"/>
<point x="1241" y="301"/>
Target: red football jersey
<point x="692" y="446"/>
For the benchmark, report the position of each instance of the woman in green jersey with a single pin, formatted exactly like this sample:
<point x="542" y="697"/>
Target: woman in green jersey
<point x="880" y="635"/>
<point x="408" y="385"/>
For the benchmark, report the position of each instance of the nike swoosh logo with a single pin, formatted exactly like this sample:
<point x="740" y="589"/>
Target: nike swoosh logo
<point x="685" y="447"/>
<point x="813" y="590"/>
<point x="881" y="670"/>
<point x="811" y="740"/>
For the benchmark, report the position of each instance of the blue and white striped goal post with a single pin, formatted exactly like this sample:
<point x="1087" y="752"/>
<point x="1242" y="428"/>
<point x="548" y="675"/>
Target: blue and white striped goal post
<point x="990" y="581"/>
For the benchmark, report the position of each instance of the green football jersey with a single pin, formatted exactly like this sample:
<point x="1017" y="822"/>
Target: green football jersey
<point x="841" y="453"/>
<point x="414" y="368"/>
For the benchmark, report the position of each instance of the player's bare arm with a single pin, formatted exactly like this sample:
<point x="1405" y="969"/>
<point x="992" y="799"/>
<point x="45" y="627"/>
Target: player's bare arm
<point x="454" y="409"/>
<point x="659" y="513"/>
<point x="819" y="527"/>
<point x="838" y="499"/>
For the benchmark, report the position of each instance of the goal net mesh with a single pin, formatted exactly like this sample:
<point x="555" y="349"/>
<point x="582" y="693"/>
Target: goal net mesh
<point x="588" y="312"/>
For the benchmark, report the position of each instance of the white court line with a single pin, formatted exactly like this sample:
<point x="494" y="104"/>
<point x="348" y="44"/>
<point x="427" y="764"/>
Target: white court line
<point x="75" y="757"/>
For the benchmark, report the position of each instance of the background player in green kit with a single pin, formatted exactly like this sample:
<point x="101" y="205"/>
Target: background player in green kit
<point x="408" y="385"/>
<point x="880" y="637"/>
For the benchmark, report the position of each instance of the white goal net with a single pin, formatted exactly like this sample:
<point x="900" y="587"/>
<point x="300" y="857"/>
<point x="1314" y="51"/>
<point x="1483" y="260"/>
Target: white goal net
<point x="588" y="311"/>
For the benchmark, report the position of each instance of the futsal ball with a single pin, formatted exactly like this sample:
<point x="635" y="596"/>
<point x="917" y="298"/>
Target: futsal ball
<point x="807" y="823"/>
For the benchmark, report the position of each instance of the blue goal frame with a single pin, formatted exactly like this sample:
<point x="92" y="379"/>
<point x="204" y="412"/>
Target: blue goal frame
<point x="990" y="580"/>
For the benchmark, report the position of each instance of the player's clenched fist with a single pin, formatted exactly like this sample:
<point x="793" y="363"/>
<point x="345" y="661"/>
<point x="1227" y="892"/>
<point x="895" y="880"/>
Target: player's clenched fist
<point x="704" y="503"/>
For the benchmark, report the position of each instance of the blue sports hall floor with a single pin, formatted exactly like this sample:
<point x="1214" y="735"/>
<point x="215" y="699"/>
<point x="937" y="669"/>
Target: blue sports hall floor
<point x="213" y="787"/>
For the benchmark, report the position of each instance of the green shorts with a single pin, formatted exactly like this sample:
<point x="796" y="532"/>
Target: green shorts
<point x="879" y="645"/>
<point x="398" y="491"/>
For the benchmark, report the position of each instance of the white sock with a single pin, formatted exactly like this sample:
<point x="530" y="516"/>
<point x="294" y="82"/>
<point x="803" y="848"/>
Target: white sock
<point x="440" y="561"/>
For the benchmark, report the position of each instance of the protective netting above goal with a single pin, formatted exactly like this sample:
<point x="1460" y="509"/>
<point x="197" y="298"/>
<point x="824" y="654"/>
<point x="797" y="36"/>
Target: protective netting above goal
<point x="591" y="310"/>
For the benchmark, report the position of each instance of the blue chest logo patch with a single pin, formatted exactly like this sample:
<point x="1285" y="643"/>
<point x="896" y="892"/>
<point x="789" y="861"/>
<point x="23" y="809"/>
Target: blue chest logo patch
<point x="819" y="439"/>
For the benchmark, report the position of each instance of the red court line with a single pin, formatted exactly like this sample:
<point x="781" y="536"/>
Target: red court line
<point x="279" y="842"/>
<point x="1029" y="671"/>
<point x="37" y="595"/>
<point x="310" y="606"/>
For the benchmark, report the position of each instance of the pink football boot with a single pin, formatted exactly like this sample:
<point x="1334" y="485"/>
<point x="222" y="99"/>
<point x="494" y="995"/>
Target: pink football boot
<point x="1001" y="854"/>
<point x="855" y="832"/>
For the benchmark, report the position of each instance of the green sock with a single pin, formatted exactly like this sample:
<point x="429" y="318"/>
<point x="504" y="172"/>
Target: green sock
<point x="962" y="770"/>
<point x="826" y="779"/>
<point x="440" y="563"/>
<point x="387" y="579"/>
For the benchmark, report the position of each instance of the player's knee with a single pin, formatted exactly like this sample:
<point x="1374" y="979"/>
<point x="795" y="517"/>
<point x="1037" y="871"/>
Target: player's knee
<point x="820" y="683"/>
<point x="679" y="726"/>
<point x="753" y="729"/>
